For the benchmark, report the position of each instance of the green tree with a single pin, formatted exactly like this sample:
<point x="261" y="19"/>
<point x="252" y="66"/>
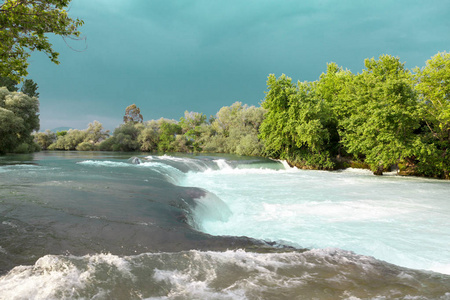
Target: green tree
<point x="382" y="114"/>
<point x="132" y="114"/>
<point x="191" y="128"/>
<point x="234" y="129"/>
<point x="125" y="137"/>
<point x="300" y="125"/>
<point x="10" y="84"/>
<point x="168" y="130"/>
<point x="95" y="133"/>
<point x="312" y="126"/>
<point x="24" y="28"/>
<point x="68" y="141"/>
<point x="10" y="125"/>
<point x="29" y="88"/>
<point x="19" y="118"/>
<point x="148" y="139"/>
<point x="61" y="133"/>
<point x="433" y="87"/>
<point x="274" y="131"/>
<point x="44" y="139"/>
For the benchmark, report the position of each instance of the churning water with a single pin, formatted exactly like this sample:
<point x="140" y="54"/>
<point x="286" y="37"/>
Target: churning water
<point x="112" y="226"/>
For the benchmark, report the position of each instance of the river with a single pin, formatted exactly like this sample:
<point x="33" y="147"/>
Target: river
<point x="106" y="225"/>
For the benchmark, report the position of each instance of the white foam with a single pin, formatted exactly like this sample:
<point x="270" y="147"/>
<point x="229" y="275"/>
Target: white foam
<point x="357" y="171"/>
<point x="222" y="164"/>
<point x="104" y="163"/>
<point x="189" y="162"/>
<point x="9" y="224"/>
<point x="232" y="274"/>
<point x="400" y="220"/>
<point x="42" y="281"/>
<point x="440" y="268"/>
<point x="56" y="277"/>
<point x="286" y="165"/>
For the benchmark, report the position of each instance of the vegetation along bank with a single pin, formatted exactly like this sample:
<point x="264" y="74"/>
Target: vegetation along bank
<point x="384" y="116"/>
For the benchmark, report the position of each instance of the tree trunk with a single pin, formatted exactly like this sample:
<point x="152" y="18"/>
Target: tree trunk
<point x="379" y="171"/>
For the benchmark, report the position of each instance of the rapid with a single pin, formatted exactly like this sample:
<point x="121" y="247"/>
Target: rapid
<point x="93" y="225"/>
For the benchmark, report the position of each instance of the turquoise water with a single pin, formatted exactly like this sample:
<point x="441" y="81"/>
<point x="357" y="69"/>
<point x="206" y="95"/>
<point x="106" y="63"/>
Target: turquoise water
<point x="404" y="221"/>
<point x="125" y="226"/>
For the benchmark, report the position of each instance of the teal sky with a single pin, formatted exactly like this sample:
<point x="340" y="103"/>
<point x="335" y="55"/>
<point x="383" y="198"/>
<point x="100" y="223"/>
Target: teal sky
<point x="200" y="55"/>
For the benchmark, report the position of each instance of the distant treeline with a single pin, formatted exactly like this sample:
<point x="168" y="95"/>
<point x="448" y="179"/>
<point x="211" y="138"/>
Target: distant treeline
<point x="386" y="116"/>
<point x="234" y="129"/>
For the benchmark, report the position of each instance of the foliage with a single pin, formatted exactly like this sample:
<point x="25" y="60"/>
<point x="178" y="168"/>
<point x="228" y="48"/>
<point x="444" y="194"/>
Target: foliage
<point x="371" y="116"/>
<point x="233" y="130"/>
<point x="61" y="133"/>
<point x="191" y="128"/>
<point x="382" y="114"/>
<point x="125" y="137"/>
<point x="18" y="119"/>
<point x="132" y="114"/>
<point x="299" y="124"/>
<point x="382" y="117"/>
<point x="168" y="130"/>
<point x="95" y="133"/>
<point x="148" y="138"/>
<point x="24" y="25"/>
<point x="29" y="88"/>
<point x="44" y="139"/>
<point x="69" y="141"/>
<point x="433" y="87"/>
<point x="274" y="130"/>
<point x="74" y="139"/>
<point x="10" y="84"/>
<point x="10" y="125"/>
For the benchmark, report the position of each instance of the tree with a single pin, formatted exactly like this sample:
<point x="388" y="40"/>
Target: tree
<point x="300" y="125"/>
<point x="10" y="84"/>
<point x="132" y="114"/>
<point x="10" y="125"/>
<point x="125" y="137"/>
<point x="69" y="141"/>
<point x="24" y="28"/>
<point x="168" y="130"/>
<point x="83" y="140"/>
<point x="191" y="128"/>
<point x="95" y="133"/>
<point x="312" y="126"/>
<point x="382" y="114"/>
<point x="433" y="87"/>
<point x="148" y="139"/>
<point x="18" y="119"/>
<point x="44" y="139"/>
<point x="30" y="87"/>
<point x="234" y="129"/>
<point x="274" y="131"/>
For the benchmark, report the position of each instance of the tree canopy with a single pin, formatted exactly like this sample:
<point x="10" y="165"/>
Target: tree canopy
<point x="24" y="28"/>
<point x="132" y="114"/>
<point x="18" y="119"/>
<point x="382" y="117"/>
<point x="29" y="88"/>
<point x="382" y="114"/>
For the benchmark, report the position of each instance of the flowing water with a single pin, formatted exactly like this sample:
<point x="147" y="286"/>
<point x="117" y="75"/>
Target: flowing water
<point x="93" y="225"/>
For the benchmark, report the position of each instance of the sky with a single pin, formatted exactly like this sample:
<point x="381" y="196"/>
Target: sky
<point x="200" y="55"/>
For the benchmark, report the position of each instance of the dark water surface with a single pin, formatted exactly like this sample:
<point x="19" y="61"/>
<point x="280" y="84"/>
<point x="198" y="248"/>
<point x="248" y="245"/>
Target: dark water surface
<point x="96" y="225"/>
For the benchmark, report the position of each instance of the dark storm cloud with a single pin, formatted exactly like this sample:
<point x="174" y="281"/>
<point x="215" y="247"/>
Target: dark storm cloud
<point x="171" y="56"/>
